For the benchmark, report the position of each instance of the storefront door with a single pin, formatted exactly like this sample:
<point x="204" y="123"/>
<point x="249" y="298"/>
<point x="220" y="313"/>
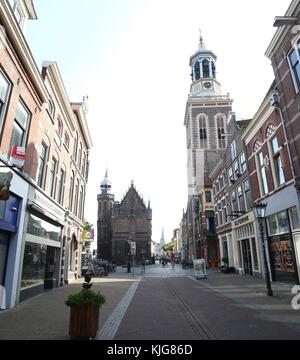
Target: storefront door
<point x="247" y="258"/>
<point x="50" y="268"/>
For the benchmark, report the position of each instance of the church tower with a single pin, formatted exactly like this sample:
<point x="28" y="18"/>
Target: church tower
<point x="207" y="111"/>
<point x="104" y="230"/>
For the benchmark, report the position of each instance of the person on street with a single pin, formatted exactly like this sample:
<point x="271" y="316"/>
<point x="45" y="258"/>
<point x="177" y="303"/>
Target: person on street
<point x="143" y="263"/>
<point x="173" y="261"/>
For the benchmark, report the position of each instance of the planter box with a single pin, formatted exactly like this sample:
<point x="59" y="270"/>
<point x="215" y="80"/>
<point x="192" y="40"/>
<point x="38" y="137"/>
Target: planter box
<point x="84" y="321"/>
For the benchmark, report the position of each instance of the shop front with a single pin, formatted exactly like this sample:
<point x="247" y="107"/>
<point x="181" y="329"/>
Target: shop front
<point x="12" y="215"/>
<point x="246" y="246"/>
<point x="42" y="246"/>
<point x="281" y="245"/>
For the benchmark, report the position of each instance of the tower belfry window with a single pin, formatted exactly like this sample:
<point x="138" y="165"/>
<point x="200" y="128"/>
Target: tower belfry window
<point x="197" y="71"/>
<point x="213" y="68"/>
<point x="202" y="132"/>
<point x="221" y="132"/>
<point x="205" y="67"/>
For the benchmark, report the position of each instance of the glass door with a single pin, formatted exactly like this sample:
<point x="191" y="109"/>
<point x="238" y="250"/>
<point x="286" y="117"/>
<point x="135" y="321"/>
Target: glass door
<point x="247" y="259"/>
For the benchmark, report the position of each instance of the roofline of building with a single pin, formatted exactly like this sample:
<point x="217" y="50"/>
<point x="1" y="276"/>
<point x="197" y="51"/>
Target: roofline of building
<point x="30" y="9"/>
<point x="79" y="109"/>
<point x="22" y="49"/>
<point x="282" y="31"/>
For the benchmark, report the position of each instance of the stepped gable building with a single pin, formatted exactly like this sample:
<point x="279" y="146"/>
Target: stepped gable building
<point x="120" y="223"/>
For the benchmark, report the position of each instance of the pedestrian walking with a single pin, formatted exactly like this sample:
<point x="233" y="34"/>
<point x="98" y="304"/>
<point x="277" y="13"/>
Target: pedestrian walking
<point x="143" y="263"/>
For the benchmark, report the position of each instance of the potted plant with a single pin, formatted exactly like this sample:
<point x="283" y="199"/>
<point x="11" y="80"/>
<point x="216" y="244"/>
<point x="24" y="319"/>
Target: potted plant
<point x="84" y="312"/>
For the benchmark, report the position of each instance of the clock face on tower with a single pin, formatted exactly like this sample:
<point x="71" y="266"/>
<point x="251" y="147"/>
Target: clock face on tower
<point x="207" y="85"/>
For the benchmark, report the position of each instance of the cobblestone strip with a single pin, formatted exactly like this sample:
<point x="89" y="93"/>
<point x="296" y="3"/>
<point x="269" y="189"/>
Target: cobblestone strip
<point x="112" y="324"/>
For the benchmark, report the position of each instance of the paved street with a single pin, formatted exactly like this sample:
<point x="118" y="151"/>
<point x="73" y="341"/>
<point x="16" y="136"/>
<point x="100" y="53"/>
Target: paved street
<point x="165" y="304"/>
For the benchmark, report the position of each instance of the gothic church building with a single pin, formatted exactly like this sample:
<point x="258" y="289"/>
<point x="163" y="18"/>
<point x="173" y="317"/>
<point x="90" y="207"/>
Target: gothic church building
<point x="120" y="223"/>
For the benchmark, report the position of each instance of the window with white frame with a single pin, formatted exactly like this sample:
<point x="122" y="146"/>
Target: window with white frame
<point x="61" y="183"/>
<point x="20" y="126"/>
<point x="18" y="12"/>
<point x="234" y="204"/>
<point x="294" y="63"/>
<point x="262" y="173"/>
<point x="42" y="165"/>
<point x="230" y="176"/>
<point x="4" y="91"/>
<point x="53" y="171"/>
<point x="248" y="196"/>
<point x="241" y="198"/>
<point x="233" y="150"/>
<point x="279" y="174"/>
<point x="243" y="164"/>
<point x="236" y="169"/>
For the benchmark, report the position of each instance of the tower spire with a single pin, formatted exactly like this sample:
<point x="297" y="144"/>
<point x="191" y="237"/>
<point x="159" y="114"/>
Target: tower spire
<point x="201" y="43"/>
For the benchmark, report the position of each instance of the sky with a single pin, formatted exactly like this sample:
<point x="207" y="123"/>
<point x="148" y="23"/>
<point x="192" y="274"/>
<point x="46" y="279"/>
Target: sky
<point x="131" y="57"/>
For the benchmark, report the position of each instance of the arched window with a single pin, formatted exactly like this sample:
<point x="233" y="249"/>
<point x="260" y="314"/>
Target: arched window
<point x="205" y="68"/>
<point x="197" y="71"/>
<point x="202" y="132"/>
<point x="213" y="68"/>
<point x="67" y="140"/>
<point x="221" y="132"/>
<point x="256" y="145"/>
<point x="270" y="130"/>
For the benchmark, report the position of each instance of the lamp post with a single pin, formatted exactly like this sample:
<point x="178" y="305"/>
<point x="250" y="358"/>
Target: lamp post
<point x="260" y="215"/>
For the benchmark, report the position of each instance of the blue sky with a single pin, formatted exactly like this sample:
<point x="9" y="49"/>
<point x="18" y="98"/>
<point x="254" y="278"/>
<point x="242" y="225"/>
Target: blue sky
<point x="131" y="57"/>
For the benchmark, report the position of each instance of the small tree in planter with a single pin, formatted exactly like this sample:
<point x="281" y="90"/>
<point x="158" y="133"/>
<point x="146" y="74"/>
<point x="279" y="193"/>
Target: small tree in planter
<point x="84" y="312"/>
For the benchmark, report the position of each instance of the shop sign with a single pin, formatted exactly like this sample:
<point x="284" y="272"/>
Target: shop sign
<point x="17" y="156"/>
<point x="88" y="235"/>
<point x="48" y="205"/>
<point x="241" y="221"/>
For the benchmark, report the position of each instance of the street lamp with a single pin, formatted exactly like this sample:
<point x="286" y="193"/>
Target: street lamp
<point x="260" y="209"/>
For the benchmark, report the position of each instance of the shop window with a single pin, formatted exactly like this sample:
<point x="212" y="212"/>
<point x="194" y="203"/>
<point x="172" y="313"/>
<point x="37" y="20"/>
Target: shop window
<point x="278" y="223"/>
<point x="42" y="228"/>
<point x="294" y="219"/>
<point x="33" y="264"/>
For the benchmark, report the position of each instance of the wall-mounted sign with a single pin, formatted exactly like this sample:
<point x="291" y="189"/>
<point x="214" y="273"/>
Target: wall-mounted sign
<point x="17" y="156"/>
<point x="5" y="180"/>
<point x="88" y="235"/>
